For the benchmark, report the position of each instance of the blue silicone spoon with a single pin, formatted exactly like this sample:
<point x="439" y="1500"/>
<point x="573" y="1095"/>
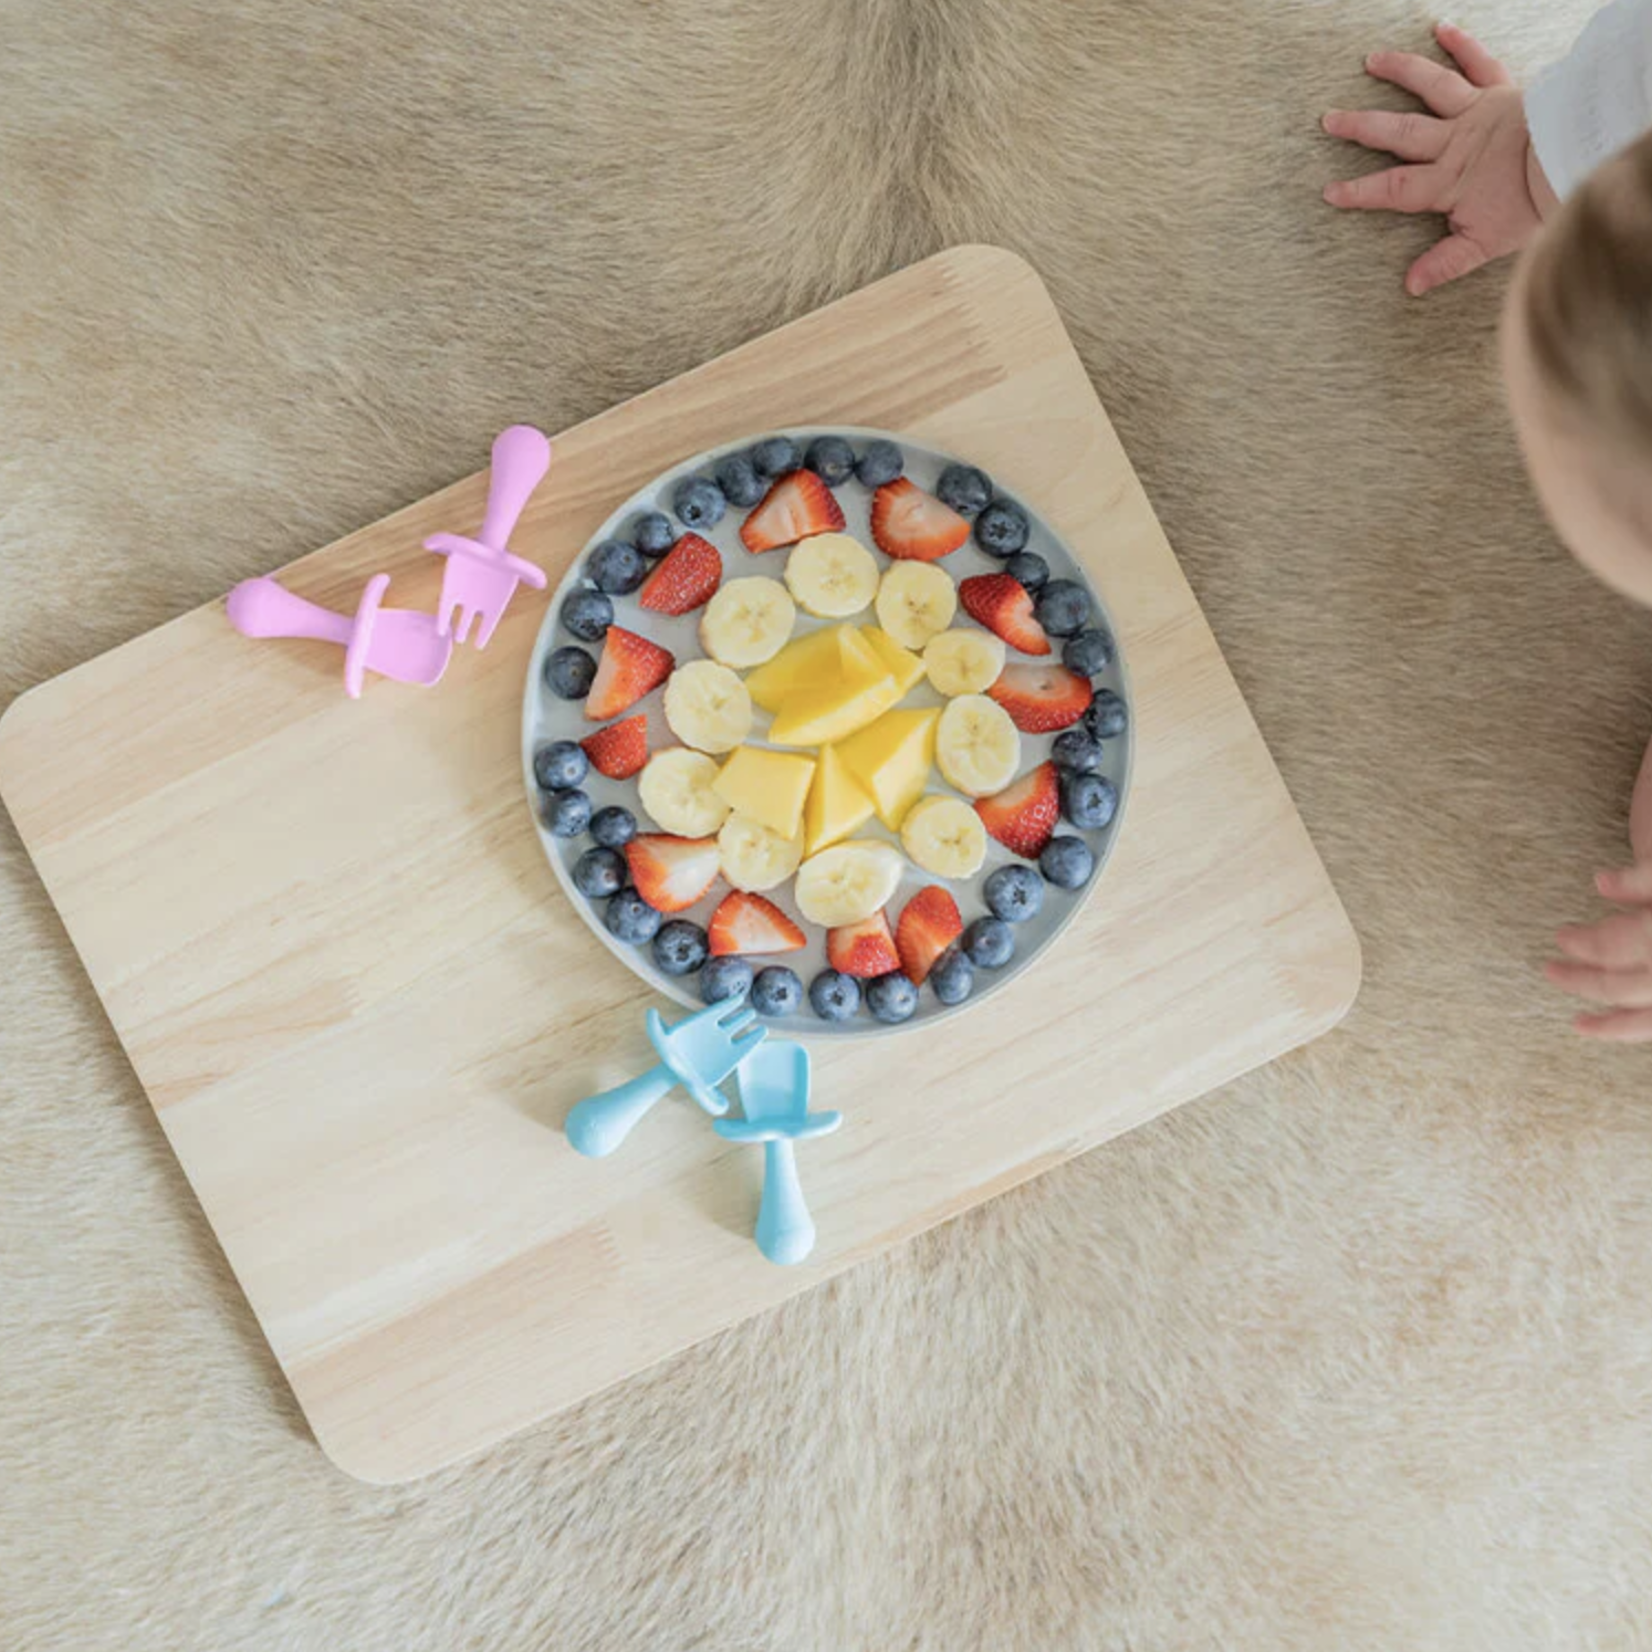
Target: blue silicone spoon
<point x="698" y="1053"/>
<point x="774" y="1093"/>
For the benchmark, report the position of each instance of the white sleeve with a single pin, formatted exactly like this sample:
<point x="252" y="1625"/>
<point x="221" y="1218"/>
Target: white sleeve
<point x="1597" y="99"/>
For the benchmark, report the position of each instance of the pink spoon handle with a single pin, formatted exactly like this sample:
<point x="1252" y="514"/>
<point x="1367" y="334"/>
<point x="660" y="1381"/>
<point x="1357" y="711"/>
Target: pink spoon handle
<point x="261" y="608"/>
<point x="521" y="456"/>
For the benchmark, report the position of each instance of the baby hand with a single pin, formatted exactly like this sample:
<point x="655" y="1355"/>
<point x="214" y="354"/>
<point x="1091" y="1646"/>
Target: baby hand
<point x="1471" y="160"/>
<point x="1610" y="962"/>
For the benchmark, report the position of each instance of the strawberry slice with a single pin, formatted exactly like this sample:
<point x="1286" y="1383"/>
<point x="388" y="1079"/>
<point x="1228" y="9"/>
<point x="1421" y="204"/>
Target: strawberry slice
<point x="671" y="873"/>
<point x="1023" y="816"/>
<point x="748" y="923"/>
<point x="796" y="506"/>
<point x="691" y="572"/>
<point x="1004" y="606"/>
<point x="865" y="949"/>
<point x="630" y="666"/>
<point x="913" y="526"/>
<point x="1040" y="698"/>
<point x="620" y="750"/>
<point x="929" y="924"/>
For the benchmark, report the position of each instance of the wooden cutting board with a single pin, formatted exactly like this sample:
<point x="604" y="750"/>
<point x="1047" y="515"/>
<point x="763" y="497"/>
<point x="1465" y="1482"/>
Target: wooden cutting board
<point x="330" y="943"/>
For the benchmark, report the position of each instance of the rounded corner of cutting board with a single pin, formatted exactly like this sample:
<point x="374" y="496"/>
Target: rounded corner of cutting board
<point x="374" y="1462"/>
<point x="1343" y="972"/>
<point x="11" y="731"/>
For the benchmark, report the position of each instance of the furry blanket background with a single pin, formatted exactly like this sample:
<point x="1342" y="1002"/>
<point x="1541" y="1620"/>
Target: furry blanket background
<point x="1356" y="1354"/>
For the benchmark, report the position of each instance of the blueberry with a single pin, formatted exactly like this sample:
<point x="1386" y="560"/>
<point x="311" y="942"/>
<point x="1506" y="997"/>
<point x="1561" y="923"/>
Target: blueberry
<point x="737" y="477"/>
<point x="680" y="947"/>
<point x="881" y="462"/>
<point x="776" y="456"/>
<point x="616" y="567"/>
<point x="588" y="614"/>
<point x="566" y="814"/>
<point x="613" y="827"/>
<point x="1067" y="862"/>
<point x="653" y="534"/>
<point x="831" y="459"/>
<point x="891" y="997"/>
<point x="1077" y="752"/>
<point x="568" y="673"/>
<point x="724" y="978"/>
<point x="698" y="502"/>
<point x="966" y="489"/>
<point x="1089" y="801"/>
<point x="1107" y="715"/>
<point x="953" y="976"/>
<point x="776" y="991"/>
<point x="560" y="765"/>
<point x="1002" y="528"/>
<point x="1013" y="893"/>
<point x="599" y="873"/>
<point x="630" y="918"/>
<point x="1029" y="568"/>
<point x="1062" y="607"/>
<point x="834" y="996"/>
<point x="1089" y="653"/>
<point x="989" y="943"/>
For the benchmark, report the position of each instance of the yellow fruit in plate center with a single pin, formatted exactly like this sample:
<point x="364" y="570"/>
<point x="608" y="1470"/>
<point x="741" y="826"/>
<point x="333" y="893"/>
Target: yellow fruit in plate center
<point x="767" y="786"/>
<point x="902" y="664"/>
<point x="838" y="804"/>
<point x="892" y="758"/>
<point x="807" y="662"/>
<point x="818" y="713"/>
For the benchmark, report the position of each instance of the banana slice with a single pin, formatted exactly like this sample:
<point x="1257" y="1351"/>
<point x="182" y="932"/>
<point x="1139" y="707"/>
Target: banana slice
<point x="976" y="745"/>
<point x="755" y="858"/>
<point x="747" y="622"/>
<point x="847" y="883"/>
<point x="963" y="661"/>
<point x="676" y="794"/>
<point x="944" y="836"/>
<point x="707" y="706"/>
<point x="916" y="600"/>
<point x="832" y="575"/>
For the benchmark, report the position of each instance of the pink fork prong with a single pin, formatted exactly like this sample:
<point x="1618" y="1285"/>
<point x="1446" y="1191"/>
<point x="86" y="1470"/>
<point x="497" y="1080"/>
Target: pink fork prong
<point x="481" y="573"/>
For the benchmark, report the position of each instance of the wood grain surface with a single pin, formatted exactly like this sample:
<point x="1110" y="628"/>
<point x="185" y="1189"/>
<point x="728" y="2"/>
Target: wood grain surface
<point x="328" y="939"/>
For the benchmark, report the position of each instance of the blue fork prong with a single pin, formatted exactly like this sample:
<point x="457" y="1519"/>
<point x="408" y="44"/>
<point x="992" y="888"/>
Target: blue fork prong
<point x="737" y="1014"/>
<point x="738" y="1024"/>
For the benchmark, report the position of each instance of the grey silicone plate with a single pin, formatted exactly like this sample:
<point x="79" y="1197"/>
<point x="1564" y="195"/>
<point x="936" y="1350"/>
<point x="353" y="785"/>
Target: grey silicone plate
<point x="546" y="718"/>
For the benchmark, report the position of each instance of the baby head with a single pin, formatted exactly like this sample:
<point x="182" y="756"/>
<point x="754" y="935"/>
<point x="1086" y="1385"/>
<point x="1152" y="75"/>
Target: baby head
<point x="1577" y="359"/>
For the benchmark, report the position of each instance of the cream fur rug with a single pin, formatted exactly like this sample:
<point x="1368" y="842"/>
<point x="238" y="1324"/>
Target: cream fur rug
<point x="1357" y="1354"/>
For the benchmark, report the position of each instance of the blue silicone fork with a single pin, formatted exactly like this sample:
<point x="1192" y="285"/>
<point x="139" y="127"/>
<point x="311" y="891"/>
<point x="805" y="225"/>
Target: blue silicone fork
<point x="698" y="1053"/>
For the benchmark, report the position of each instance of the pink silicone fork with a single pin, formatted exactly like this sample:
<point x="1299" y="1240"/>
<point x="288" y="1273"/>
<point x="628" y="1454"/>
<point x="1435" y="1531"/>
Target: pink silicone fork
<point x="481" y="574"/>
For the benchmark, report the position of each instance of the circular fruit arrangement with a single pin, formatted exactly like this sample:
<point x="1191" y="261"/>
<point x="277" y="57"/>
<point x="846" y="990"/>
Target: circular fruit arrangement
<point x="828" y="718"/>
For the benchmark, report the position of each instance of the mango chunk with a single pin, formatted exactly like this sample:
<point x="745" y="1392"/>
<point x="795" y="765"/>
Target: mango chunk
<point x="891" y="759"/>
<point x="769" y="787"/>
<point x="838" y="804"/>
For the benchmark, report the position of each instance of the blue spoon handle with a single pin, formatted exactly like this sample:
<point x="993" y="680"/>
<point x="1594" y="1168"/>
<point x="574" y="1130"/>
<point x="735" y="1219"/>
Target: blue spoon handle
<point x="597" y="1125"/>
<point x="785" y="1230"/>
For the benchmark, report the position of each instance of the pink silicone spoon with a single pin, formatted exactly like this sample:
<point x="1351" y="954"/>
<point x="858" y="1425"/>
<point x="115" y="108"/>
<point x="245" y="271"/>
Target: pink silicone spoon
<point x="394" y="642"/>
<point x="481" y="574"/>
